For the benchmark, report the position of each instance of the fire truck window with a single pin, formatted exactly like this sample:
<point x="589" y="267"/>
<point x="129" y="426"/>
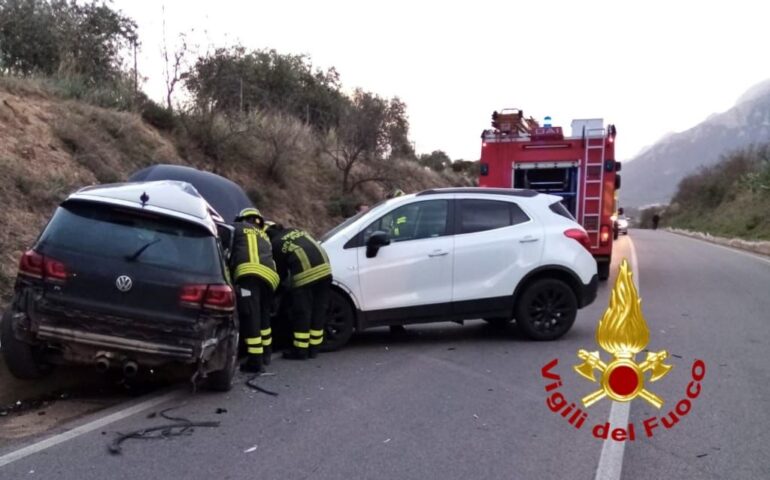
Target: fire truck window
<point x="482" y="215"/>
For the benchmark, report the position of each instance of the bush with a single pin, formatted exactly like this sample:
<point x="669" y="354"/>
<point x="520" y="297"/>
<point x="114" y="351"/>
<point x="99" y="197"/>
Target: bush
<point x="158" y="116"/>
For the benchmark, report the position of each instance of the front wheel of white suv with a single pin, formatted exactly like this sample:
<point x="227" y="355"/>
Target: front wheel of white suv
<point x="546" y="309"/>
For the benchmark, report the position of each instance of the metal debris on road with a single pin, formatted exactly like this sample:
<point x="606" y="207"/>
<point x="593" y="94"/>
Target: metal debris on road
<point x="252" y="384"/>
<point x="386" y="441"/>
<point x="220" y="411"/>
<point x="251" y="449"/>
<point x="182" y="426"/>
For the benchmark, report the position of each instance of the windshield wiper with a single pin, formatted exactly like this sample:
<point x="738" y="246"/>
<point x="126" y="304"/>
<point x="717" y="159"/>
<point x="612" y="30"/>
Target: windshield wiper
<point x="135" y="255"/>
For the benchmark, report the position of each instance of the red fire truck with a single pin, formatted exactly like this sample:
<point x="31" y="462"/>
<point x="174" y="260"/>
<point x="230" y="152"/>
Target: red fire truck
<point x="518" y="152"/>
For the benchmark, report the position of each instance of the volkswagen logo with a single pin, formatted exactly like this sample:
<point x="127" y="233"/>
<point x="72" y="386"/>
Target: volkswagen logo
<point x="124" y="283"/>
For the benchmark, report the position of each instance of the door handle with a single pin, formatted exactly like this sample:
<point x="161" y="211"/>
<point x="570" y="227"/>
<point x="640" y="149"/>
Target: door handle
<point x="438" y="253"/>
<point x="528" y="240"/>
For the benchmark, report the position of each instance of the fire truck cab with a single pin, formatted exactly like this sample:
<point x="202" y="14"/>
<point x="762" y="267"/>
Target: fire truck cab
<point x="520" y="153"/>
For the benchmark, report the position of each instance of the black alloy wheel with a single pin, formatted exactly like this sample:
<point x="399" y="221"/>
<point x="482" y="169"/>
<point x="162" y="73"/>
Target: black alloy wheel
<point x="546" y="310"/>
<point x="339" y="323"/>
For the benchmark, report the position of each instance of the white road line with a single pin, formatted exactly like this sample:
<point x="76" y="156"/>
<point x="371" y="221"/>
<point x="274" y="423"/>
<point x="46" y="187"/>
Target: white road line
<point x="86" y="428"/>
<point x="611" y="459"/>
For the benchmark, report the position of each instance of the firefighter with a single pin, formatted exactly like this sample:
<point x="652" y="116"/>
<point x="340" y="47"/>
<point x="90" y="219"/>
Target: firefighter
<point x="397" y="224"/>
<point x="303" y="264"/>
<point x="255" y="276"/>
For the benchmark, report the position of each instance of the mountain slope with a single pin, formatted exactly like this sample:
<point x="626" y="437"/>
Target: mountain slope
<point x="652" y="176"/>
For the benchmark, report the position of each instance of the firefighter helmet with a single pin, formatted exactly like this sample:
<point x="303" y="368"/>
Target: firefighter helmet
<point x="248" y="212"/>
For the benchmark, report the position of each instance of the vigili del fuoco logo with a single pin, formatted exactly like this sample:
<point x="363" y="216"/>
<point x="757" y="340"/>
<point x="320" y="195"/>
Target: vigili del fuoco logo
<point x="622" y="332"/>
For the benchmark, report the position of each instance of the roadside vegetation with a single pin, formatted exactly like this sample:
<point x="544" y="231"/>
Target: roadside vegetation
<point x="729" y="199"/>
<point x="73" y="113"/>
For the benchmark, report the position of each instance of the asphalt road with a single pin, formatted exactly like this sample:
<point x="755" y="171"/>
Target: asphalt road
<point x="458" y="402"/>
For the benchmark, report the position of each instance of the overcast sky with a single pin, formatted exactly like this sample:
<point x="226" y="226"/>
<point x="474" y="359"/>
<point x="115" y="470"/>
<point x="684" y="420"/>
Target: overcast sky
<point x="650" y="67"/>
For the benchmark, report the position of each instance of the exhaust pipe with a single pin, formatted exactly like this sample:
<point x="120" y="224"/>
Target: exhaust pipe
<point x="130" y="368"/>
<point x="102" y="364"/>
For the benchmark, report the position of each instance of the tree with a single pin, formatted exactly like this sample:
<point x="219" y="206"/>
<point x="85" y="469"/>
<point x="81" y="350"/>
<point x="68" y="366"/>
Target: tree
<point x="173" y="63"/>
<point x="437" y="160"/>
<point x="369" y="131"/>
<point x="66" y="38"/>
<point x="234" y="80"/>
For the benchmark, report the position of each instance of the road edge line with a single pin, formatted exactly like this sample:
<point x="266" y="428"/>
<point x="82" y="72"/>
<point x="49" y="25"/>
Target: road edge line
<point x="739" y="251"/>
<point x="610" y="465"/>
<point x="87" y="427"/>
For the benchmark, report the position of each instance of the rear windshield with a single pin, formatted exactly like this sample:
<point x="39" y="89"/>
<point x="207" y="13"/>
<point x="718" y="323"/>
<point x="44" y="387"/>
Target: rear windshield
<point x="559" y="209"/>
<point x="132" y="236"/>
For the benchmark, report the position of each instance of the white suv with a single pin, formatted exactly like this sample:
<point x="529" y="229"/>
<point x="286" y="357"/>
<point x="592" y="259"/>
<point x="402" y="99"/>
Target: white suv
<point x="460" y="253"/>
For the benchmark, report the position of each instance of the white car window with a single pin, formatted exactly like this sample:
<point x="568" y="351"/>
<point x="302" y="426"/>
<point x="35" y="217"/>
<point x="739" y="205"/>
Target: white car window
<point x="482" y="215"/>
<point x="413" y="221"/>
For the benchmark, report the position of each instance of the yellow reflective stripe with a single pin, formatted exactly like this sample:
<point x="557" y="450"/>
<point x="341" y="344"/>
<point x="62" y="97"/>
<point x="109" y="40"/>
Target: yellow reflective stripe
<point x="268" y="341"/>
<point x="301" y="344"/>
<point x="255" y="350"/>
<point x="266" y="332"/>
<point x="316" y="333"/>
<point x="315" y="273"/>
<point x="251" y="238"/>
<point x="302" y="335"/>
<point x="400" y="220"/>
<point x="316" y="341"/>
<point x="259" y="270"/>
<point x="303" y="260"/>
<point x="254" y="341"/>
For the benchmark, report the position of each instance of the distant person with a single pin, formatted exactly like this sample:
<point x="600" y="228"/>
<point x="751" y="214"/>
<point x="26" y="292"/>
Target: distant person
<point x="362" y="208"/>
<point x="655" y="221"/>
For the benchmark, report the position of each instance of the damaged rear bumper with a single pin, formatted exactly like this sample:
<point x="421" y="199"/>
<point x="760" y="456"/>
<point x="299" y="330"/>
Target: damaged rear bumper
<point x="110" y="342"/>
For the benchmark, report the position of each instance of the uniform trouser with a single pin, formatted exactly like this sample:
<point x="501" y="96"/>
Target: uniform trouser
<point x="255" y="298"/>
<point x="308" y="311"/>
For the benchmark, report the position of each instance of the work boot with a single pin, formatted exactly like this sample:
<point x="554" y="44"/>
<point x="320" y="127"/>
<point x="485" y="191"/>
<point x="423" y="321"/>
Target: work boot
<point x="266" y="357"/>
<point x="312" y="352"/>
<point x="253" y="364"/>
<point x="296" y="354"/>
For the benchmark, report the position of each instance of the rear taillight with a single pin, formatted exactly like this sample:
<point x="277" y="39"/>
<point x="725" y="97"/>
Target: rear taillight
<point x="31" y="264"/>
<point x="213" y="297"/>
<point x="604" y="236"/>
<point x="55" y="270"/>
<point x="39" y="266"/>
<point x="580" y="236"/>
<point x="219" y="297"/>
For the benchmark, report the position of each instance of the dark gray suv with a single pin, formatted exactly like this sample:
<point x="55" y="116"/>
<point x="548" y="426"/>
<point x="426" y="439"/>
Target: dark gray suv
<point x="126" y="276"/>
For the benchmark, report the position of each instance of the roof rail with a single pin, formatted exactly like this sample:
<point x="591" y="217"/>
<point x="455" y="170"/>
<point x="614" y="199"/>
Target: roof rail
<point x="511" y="192"/>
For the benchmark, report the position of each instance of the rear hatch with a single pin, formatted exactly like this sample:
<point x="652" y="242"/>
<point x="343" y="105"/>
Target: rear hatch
<point x="127" y="263"/>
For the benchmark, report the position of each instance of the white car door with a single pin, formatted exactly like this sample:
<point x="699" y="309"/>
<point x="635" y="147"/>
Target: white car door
<point x="496" y="244"/>
<point x="416" y="268"/>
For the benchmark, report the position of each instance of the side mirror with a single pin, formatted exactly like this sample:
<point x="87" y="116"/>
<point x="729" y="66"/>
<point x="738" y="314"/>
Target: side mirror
<point x="376" y="241"/>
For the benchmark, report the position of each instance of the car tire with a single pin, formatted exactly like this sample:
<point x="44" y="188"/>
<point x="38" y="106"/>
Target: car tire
<point x="339" y="323"/>
<point x="603" y="270"/>
<point x="222" y="380"/>
<point x="498" y="321"/>
<point x="546" y="309"/>
<point x="22" y="359"/>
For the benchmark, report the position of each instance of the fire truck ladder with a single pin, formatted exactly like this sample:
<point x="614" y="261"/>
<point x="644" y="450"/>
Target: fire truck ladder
<point x="592" y="205"/>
